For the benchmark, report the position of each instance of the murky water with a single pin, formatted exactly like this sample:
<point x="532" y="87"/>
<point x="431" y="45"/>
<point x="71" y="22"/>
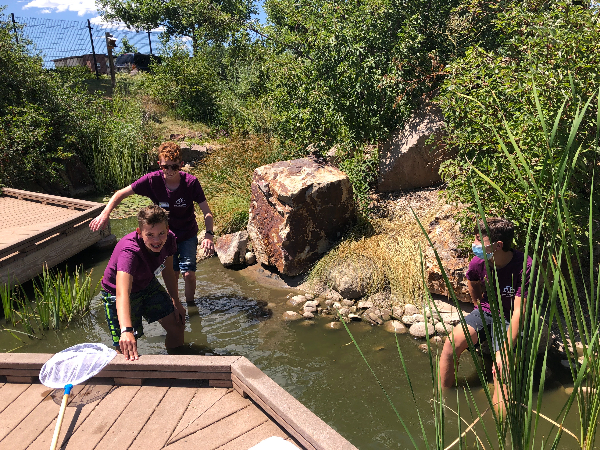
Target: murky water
<point x="320" y="367"/>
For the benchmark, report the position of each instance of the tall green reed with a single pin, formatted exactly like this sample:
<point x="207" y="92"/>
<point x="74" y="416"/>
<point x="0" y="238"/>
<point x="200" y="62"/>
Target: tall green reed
<point x="557" y="285"/>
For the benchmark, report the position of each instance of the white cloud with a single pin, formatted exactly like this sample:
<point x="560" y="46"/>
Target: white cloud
<point x="46" y="11"/>
<point x="81" y="7"/>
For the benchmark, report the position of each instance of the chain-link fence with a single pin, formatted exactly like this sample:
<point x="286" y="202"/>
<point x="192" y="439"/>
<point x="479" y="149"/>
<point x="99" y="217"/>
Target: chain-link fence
<point x="63" y="43"/>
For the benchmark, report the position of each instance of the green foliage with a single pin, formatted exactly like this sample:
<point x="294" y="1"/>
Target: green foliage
<point x="490" y="91"/>
<point x="59" y="298"/>
<point x="350" y="72"/>
<point x="126" y="47"/>
<point x="187" y="86"/>
<point x="201" y="20"/>
<point x="361" y="169"/>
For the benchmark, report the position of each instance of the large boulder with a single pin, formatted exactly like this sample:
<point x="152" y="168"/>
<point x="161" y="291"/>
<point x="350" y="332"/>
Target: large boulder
<point x="445" y="235"/>
<point x="298" y="210"/>
<point x="353" y="277"/>
<point x="231" y="248"/>
<point x="409" y="159"/>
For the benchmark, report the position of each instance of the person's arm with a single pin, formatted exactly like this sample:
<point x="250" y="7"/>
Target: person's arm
<point x="475" y="289"/>
<point x="171" y="284"/>
<point x="101" y="221"/>
<point x="207" y="245"/>
<point x="515" y="322"/>
<point x="127" y="343"/>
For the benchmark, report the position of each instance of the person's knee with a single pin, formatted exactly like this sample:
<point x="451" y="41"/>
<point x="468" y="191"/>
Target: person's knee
<point x="191" y="276"/>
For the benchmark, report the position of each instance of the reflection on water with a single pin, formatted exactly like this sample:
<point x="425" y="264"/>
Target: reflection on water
<point x="320" y="367"/>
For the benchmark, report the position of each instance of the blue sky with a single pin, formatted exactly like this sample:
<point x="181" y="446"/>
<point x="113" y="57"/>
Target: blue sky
<point x="59" y="9"/>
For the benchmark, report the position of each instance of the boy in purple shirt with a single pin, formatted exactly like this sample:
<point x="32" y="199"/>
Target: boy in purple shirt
<point x="176" y="192"/>
<point x="507" y="265"/>
<point x="130" y="289"/>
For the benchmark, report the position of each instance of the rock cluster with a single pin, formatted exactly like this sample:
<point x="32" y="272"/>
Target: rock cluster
<point x="437" y="319"/>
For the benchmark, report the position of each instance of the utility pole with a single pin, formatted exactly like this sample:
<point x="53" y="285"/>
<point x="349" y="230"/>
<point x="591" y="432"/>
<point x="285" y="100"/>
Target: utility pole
<point x="93" y="50"/>
<point x="111" y="43"/>
<point x="15" y="27"/>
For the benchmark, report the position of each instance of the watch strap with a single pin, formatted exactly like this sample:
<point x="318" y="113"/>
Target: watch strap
<point x="127" y="330"/>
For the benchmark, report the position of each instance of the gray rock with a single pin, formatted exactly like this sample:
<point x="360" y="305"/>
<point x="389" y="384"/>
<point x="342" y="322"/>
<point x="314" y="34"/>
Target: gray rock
<point x="337" y="305"/>
<point x="330" y="294"/>
<point x="291" y="316"/>
<point x="395" y="326"/>
<point x="309" y="296"/>
<point x="231" y="248"/>
<point x="410" y="309"/>
<point x="352" y="278"/>
<point x="419" y="318"/>
<point x="308" y="315"/>
<point x="329" y="303"/>
<point x="418" y="329"/>
<point x="347" y="302"/>
<point x="408" y="320"/>
<point x="439" y="328"/>
<point x="296" y="300"/>
<point x="354" y="317"/>
<point x="250" y="258"/>
<point x="314" y="303"/>
<point x="364" y="304"/>
<point x="437" y="341"/>
<point x="344" y="311"/>
<point x="424" y="348"/>
<point x="310" y="309"/>
<point x="398" y="312"/>
<point x="386" y="314"/>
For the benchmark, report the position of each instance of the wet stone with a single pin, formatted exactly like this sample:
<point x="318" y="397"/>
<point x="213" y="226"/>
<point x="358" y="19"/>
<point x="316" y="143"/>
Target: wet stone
<point x="386" y="314"/>
<point x="309" y="296"/>
<point x="398" y="312"/>
<point x="347" y="302"/>
<point x="354" y="317"/>
<point x="310" y="309"/>
<point x="308" y="315"/>
<point x="410" y="309"/>
<point x="439" y="328"/>
<point x="312" y="303"/>
<point x="364" y="304"/>
<point x="296" y="300"/>
<point x="408" y="320"/>
<point x="291" y="316"/>
<point x="395" y="326"/>
<point x="418" y="329"/>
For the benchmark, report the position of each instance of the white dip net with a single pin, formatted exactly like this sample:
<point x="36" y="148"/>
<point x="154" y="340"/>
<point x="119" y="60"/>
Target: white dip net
<point x="75" y="364"/>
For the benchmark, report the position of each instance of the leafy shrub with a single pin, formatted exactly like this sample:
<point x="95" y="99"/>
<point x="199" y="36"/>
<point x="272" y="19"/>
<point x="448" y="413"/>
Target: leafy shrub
<point x="551" y="49"/>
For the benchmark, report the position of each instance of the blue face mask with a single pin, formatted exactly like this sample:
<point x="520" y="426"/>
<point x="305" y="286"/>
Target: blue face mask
<point x="478" y="251"/>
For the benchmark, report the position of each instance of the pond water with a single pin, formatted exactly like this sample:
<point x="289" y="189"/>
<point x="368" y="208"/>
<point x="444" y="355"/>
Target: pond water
<point x="322" y="368"/>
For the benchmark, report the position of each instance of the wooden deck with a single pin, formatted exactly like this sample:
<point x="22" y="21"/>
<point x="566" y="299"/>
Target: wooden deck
<point x="38" y="229"/>
<point x="171" y="402"/>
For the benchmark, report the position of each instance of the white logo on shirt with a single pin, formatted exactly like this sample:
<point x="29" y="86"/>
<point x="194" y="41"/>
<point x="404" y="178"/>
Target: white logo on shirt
<point x="508" y="291"/>
<point x="180" y="202"/>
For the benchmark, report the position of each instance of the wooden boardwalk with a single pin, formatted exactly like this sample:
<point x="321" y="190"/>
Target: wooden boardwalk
<point x="173" y="414"/>
<point x="159" y="401"/>
<point x="38" y="229"/>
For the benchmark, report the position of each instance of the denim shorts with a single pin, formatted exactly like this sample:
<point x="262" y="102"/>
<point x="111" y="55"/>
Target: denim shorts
<point x="475" y="321"/>
<point x="152" y="303"/>
<point x="185" y="258"/>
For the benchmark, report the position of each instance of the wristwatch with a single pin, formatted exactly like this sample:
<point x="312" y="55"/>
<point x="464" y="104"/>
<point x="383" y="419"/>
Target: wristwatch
<point x="127" y="330"/>
<point x="210" y="232"/>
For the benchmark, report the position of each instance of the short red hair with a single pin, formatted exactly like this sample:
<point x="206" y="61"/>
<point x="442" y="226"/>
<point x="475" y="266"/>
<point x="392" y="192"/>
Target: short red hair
<point x="169" y="150"/>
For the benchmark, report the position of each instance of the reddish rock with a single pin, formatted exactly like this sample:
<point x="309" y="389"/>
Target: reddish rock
<point x="445" y="235"/>
<point x="298" y="210"/>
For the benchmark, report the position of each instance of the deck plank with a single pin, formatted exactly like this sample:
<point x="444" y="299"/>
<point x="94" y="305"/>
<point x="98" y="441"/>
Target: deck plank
<point x="223" y="431"/>
<point x="35" y="423"/>
<point x="203" y="400"/>
<point x="9" y="392"/>
<point x="227" y="405"/>
<point x="104" y="415"/>
<point x="164" y="419"/>
<point x="254" y="436"/>
<point x="131" y="421"/>
<point x="72" y="420"/>
<point x="21" y="407"/>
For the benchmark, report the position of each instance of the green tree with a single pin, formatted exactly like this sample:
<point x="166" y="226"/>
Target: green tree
<point x="126" y="47"/>
<point x="200" y="20"/>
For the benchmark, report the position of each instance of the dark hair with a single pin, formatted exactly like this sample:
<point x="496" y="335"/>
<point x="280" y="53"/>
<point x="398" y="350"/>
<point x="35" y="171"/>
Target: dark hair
<point x="169" y="150"/>
<point x="152" y="215"/>
<point x="500" y="230"/>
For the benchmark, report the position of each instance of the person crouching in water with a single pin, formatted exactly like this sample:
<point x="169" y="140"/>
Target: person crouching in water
<point x="130" y="289"/>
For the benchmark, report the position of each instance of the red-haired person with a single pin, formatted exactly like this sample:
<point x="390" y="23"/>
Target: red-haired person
<point x="175" y="191"/>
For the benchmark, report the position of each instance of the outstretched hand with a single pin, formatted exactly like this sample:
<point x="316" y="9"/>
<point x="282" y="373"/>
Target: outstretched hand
<point x="99" y="223"/>
<point x="208" y="247"/>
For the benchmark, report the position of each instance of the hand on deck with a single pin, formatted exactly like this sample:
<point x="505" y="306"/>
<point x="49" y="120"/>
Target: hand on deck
<point x="128" y="346"/>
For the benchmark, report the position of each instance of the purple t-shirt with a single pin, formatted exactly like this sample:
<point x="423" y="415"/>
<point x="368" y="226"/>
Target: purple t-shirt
<point x="179" y="203"/>
<point x="509" y="280"/>
<point x="131" y="256"/>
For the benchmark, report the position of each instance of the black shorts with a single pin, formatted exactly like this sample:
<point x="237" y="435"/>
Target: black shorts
<point x="152" y="303"/>
<point x="475" y="320"/>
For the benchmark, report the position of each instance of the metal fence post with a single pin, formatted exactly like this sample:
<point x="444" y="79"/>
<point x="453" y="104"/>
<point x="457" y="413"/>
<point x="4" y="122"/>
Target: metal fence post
<point x="110" y="44"/>
<point x="149" y="41"/>
<point x="93" y="50"/>
<point x="15" y="27"/>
